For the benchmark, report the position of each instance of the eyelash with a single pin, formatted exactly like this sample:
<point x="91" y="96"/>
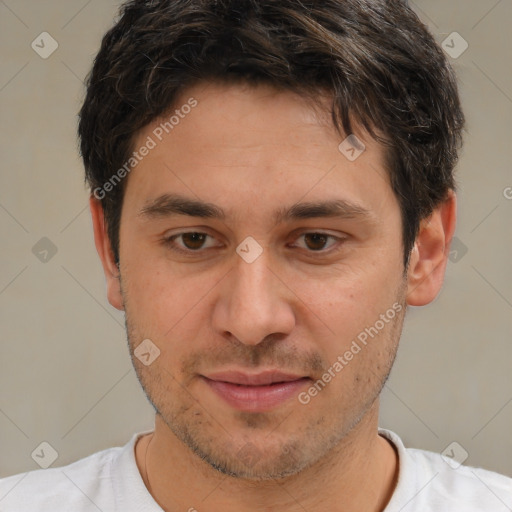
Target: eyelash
<point x="170" y="242"/>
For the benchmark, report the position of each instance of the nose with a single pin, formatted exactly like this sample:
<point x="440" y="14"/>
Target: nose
<point x="254" y="303"/>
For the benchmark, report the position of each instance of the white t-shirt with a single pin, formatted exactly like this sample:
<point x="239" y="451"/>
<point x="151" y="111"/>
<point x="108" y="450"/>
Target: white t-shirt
<point x="109" y="481"/>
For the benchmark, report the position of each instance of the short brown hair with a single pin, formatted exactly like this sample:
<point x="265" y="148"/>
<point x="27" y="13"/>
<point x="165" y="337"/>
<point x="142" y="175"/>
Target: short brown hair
<point x="375" y="58"/>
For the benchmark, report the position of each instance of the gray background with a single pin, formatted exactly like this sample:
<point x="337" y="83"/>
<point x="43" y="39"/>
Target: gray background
<point x="65" y="375"/>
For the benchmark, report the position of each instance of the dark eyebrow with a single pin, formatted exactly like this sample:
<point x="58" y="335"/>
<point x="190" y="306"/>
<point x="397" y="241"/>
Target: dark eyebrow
<point x="168" y="205"/>
<point x="327" y="208"/>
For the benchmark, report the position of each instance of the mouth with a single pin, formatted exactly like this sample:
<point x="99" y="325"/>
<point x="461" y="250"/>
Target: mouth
<point x="255" y="392"/>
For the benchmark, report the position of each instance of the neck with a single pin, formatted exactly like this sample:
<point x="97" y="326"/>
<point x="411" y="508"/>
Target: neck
<point x="359" y="474"/>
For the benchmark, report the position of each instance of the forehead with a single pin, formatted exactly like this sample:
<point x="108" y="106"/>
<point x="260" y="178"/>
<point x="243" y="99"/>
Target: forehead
<point x="229" y="143"/>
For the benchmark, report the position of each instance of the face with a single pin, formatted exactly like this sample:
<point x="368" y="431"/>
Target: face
<point x="277" y="306"/>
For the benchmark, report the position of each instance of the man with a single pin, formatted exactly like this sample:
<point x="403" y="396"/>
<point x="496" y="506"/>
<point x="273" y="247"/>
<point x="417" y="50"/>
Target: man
<point x="271" y="187"/>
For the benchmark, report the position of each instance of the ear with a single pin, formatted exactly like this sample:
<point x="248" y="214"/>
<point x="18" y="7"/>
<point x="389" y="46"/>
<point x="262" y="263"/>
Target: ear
<point x="106" y="254"/>
<point x="429" y="256"/>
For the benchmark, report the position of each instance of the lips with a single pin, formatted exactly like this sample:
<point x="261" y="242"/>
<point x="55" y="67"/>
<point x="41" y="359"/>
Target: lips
<point x="260" y="379"/>
<point x="255" y="392"/>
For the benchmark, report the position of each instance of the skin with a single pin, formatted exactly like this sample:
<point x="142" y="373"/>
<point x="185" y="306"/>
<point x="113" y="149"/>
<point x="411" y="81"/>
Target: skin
<point x="252" y="150"/>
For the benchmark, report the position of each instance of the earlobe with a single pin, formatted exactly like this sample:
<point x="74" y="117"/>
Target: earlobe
<point x="429" y="256"/>
<point x="106" y="254"/>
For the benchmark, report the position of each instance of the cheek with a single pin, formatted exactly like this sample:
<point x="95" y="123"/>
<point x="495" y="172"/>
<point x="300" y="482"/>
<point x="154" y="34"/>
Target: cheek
<point x="350" y="294"/>
<point x="169" y="308"/>
<point x="347" y="307"/>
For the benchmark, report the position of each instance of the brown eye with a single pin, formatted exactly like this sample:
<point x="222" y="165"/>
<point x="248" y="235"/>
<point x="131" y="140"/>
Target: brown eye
<point x="322" y="243"/>
<point x="316" y="241"/>
<point x="193" y="241"/>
